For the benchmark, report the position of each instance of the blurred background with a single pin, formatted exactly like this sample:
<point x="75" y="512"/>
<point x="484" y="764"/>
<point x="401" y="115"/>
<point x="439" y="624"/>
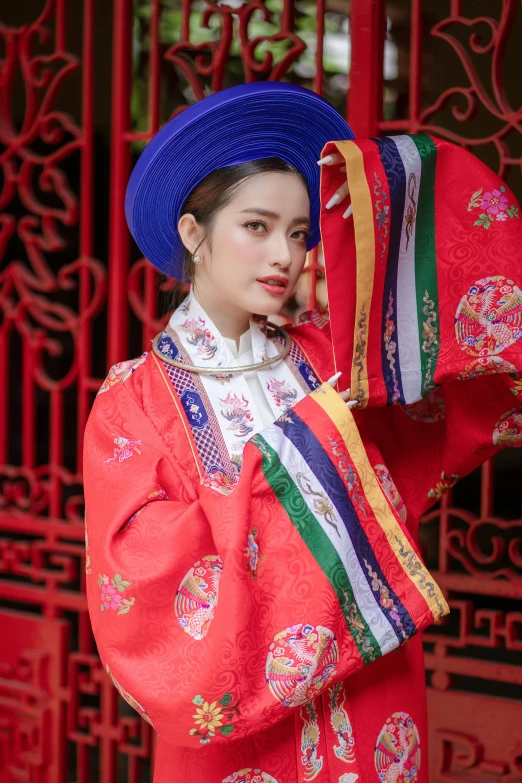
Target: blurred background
<point x="83" y="85"/>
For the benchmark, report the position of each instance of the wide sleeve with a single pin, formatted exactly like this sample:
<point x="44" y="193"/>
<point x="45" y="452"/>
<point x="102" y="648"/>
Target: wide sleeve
<point x="425" y="295"/>
<point x="217" y="615"/>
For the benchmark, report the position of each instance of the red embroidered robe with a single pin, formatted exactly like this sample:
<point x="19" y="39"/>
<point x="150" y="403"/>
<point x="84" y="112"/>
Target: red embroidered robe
<point x="262" y="617"/>
<point x="216" y="616"/>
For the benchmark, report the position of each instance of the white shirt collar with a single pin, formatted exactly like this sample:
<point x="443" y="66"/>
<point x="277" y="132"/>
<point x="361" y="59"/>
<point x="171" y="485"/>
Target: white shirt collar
<point x="205" y="344"/>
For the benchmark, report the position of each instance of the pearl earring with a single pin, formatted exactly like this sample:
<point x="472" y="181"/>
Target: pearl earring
<point x="197" y="258"/>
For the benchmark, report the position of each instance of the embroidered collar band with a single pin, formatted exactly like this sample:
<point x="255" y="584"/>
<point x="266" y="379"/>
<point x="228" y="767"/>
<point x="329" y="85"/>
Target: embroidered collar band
<point x="240" y="124"/>
<point x="208" y="348"/>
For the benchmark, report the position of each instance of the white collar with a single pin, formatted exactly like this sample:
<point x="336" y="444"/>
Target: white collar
<point x="205" y="344"/>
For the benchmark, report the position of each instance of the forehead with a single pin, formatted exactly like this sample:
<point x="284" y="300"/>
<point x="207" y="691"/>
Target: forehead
<point x="268" y="190"/>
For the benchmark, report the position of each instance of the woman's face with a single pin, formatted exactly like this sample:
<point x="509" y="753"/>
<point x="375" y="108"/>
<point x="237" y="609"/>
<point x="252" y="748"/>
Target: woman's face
<point x="257" y="246"/>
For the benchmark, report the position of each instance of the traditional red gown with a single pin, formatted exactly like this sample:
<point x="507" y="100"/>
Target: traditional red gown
<point x="257" y="600"/>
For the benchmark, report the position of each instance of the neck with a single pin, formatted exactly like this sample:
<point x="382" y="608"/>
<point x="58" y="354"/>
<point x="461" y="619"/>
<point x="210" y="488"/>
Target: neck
<point x="231" y="323"/>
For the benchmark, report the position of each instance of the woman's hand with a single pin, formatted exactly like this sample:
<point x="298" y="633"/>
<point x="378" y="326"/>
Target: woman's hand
<point x="342" y="192"/>
<point x="345" y="395"/>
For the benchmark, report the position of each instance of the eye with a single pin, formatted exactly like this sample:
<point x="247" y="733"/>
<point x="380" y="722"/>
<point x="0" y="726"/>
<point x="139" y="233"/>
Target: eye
<point x="304" y="234"/>
<point x="253" y="225"/>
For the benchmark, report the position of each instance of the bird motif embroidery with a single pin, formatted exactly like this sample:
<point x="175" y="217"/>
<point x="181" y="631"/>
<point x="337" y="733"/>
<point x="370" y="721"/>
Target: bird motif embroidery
<point x="489" y="316"/>
<point x="310" y="735"/>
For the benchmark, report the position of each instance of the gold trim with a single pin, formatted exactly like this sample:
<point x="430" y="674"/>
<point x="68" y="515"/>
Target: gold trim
<point x="230" y="370"/>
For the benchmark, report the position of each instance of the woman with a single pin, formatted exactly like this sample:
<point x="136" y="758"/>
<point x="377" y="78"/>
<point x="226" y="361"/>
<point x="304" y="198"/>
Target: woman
<point x="249" y="567"/>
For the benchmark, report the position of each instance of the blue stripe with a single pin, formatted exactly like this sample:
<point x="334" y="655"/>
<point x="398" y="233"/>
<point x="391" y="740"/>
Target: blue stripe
<point x="396" y="176"/>
<point x="321" y="466"/>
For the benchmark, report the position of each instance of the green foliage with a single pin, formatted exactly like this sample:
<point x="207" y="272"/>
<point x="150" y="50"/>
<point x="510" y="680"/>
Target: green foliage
<point x="174" y="89"/>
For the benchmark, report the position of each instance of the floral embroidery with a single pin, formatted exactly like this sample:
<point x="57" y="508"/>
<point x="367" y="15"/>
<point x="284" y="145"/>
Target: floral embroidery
<point x="217" y="479"/>
<point x="217" y="716"/>
<point x="508" y="430"/>
<point x="310" y="734"/>
<point x="125" y="448"/>
<point x="200" y="337"/>
<point x="381" y="214"/>
<point x="489" y="317"/>
<point x="429" y="410"/>
<point x="255" y="560"/>
<point x="128" y="698"/>
<point x="349" y="777"/>
<point x="88" y="569"/>
<point x="110" y="593"/>
<point x="397" y="753"/>
<point x="411" y="211"/>
<point x="120" y="372"/>
<point x="430" y="339"/>
<point x="442" y="486"/>
<point x="300" y="663"/>
<point x="486" y="365"/>
<point x="194" y="409"/>
<point x="237" y="413"/>
<point x="197" y="596"/>
<point x="516" y="384"/>
<point x="341" y="725"/>
<point x="383" y="596"/>
<point x="391" y="347"/>
<point x="359" y="354"/>
<point x="350" y="476"/>
<point x="390" y="490"/>
<point x="495" y="204"/>
<point x="322" y="506"/>
<point x="249" y="775"/>
<point x="282" y="393"/>
<point x="168" y="347"/>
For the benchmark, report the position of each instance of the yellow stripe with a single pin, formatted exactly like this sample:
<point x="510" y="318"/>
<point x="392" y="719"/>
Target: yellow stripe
<point x="342" y="417"/>
<point x="365" y="254"/>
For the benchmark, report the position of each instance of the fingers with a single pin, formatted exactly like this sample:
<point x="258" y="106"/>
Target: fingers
<point x="344" y="395"/>
<point x="339" y="195"/>
<point x="333" y="380"/>
<point x="329" y="160"/>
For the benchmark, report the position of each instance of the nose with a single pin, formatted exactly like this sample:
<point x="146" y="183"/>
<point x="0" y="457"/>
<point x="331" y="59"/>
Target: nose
<point x="280" y="255"/>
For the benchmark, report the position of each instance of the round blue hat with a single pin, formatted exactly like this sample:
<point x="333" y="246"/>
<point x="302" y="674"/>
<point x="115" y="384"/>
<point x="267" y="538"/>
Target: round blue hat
<point x="248" y="122"/>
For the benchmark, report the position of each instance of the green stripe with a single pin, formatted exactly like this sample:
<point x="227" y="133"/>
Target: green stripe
<point x="426" y="263"/>
<point x="320" y="547"/>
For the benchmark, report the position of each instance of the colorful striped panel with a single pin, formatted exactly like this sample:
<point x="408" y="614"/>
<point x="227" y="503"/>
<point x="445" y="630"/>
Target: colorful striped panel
<point x="392" y="182"/>
<point x="320" y="474"/>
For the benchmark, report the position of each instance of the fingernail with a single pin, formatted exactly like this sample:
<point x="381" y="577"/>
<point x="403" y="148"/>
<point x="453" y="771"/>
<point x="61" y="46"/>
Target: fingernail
<point x="334" y="378"/>
<point x="333" y="201"/>
<point x="327" y="159"/>
<point x="348" y="211"/>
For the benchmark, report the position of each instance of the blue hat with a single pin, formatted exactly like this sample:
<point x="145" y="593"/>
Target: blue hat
<point x="248" y="122"/>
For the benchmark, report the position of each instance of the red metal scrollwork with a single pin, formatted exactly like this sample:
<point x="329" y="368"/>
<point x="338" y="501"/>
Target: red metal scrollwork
<point x="473" y="660"/>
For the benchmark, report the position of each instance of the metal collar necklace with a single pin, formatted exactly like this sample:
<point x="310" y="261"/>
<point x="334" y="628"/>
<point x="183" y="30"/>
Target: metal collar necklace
<point x="277" y="330"/>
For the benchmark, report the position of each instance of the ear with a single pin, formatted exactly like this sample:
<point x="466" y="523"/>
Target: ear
<point x="190" y="231"/>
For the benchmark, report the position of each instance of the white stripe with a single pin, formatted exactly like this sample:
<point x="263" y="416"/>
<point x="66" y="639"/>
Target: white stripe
<point x="294" y="463"/>
<point x="407" y="321"/>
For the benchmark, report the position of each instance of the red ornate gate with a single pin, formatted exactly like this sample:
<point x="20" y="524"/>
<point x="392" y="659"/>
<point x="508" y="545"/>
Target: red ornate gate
<point x="60" y="717"/>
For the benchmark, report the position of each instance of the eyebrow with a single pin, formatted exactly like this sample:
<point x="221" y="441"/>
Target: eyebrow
<point x="274" y="215"/>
